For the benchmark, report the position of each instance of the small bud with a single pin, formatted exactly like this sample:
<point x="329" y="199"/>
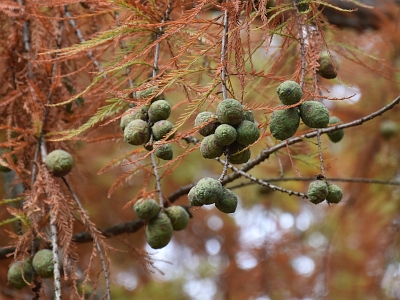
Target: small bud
<point x="238" y="154"/>
<point x="247" y="133"/>
<point x="389" y="129"/>
<point x="161" y="129"/>
<point x="314" y="114"/>
<point x="328" y="66"/>
<point x="209" y="147"/>
<point x="317" y="191"/>
<point x="284" y="123"/>
<point x="225" y="135"/>
<point x="43" y="264"/>
<point x="20" y="274"/>
<point x="289" y="92"/>
<point x="230" y="111"/>
<point x="137" y="132"/>
<point x="159" y="110"/>
<point x="164" y="152"/>
<point x="59" y="163"/>
<point x="205" y="117"/>
<point x="146" y="208"/>
<point x="337" y="135"/>
<point x="228" y="202"/>
<point x="335" y="194"/>
<point x="179" y="217"/>
<point x="135" y="114"/>
<point x="208" y="190"/>
<point x="159" y="231"/>
<point x="248" y="116"/>
<point x="192" y="198"/>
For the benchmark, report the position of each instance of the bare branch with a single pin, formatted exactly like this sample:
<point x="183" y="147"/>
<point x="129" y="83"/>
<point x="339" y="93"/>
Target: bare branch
<point x="333" y="179"/>
<point x="223" y="54"/>
<point x="155" y="69"/>
<point x="95" y="240"/>
<point x="302" y="45"/>
<point x="263" y="182"/>
<point x="321" y="158"/>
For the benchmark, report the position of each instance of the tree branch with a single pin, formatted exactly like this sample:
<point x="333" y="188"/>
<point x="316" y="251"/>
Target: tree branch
<point x="223" y="54"/>
<point x="93" y="230"/>
<point x="266" y="153"/>
<point x="333" y="179"/>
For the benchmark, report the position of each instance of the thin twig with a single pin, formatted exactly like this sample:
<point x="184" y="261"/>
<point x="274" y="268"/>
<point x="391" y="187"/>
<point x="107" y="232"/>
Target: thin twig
<point x="262" y="182"/>
<point x="321" y="158"/>
<point x="82" y="39"/>
<point x="302" y="45"/>
<point x="128" y="68"/>
<point x="53" y="226"/>
<point x="158" y="180"/>
<point x="265" y="154"/>
<point x="155" y="69"/>
<point x="54" y="244"/>
<point x="329" y="179"/>
<point x="294" y="140"/>
<point x="223" y="54"/>
<point x="226" y="165"/>
<point x="281" y="173"/>
<point x="43" y="151"/>
<point x="134" y="226"/>
<point x="92" y="229"/>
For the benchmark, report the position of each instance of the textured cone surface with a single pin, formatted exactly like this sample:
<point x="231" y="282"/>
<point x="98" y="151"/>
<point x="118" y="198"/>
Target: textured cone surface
<point x="161" y="128"/>
<point x="314" y="114"/>
<point x="125" y="120"/>
<point x="140" y="113"/>
<point x="59" y="163"/>
<point x="389" y="129"/>
<point x="192" y="198"/>
<point x="289" y="92"/>
<point x="208" y="190"/>
<point x="317" y="191"/>
<point x="247" y="133"/>
<point x="225" y="135"/>
<point x="19" y="271"/>
<point x="284" y="123"/>
<point x="248" y="116"/>
<point x="337" y="135"/>
<point x="137" y="132"/>
<point x="230" y="111"/>
<point x="159" y="231"/>
<point x="179" y="217"/>
<point x="239" y="155"/>
<point x="205" y="117"/>
<point x="43" y="264"/>
<point x="209" y="147"/>
<point x="228" y="202"/>
<point x="328" y="66"/>
<point x="335" y="194"/>
<point x="164" y="152"/>
<point x="159" y="110"/>
<point x="146" y="209"/>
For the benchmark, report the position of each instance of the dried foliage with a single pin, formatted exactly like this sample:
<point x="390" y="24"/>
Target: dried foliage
<point x="72" y="69"/>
